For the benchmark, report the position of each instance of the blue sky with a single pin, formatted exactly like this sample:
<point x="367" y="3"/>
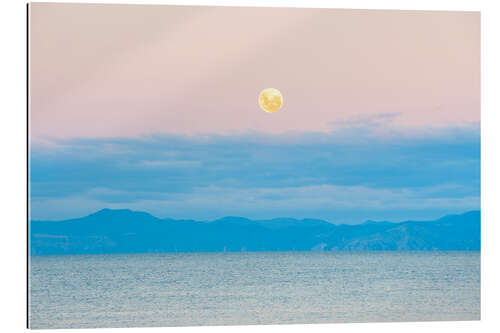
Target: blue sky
<point x="365" y="170"/>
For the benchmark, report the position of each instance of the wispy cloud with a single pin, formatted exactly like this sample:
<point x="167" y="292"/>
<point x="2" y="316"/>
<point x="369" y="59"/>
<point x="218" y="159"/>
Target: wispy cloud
<point x="371" y="120"/>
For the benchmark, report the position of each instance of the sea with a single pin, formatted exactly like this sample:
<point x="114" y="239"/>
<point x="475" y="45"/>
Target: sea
<point x="244" y="288"/>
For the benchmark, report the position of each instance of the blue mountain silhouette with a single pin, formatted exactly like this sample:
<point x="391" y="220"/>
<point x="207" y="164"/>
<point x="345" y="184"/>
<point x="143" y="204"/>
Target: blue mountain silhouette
<point x="126" y="231"/>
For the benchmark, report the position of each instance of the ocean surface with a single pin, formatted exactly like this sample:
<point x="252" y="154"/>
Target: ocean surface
<point x="188" y="289"/>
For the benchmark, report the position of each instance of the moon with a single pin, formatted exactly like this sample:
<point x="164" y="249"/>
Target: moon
<point x="270" y="100"/>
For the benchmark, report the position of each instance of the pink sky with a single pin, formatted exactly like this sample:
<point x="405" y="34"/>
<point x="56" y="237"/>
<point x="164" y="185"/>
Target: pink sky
<point x="126" y="70"/>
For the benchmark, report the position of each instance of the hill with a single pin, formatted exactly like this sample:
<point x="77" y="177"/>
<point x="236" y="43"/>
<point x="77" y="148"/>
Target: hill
<point x="126" y="231"/>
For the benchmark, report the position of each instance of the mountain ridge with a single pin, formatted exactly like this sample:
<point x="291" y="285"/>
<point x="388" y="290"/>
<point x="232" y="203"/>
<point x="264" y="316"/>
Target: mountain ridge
<point x="127" y="231"/>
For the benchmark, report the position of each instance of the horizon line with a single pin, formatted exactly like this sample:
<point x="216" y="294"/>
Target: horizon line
<point x="246" y="218"/>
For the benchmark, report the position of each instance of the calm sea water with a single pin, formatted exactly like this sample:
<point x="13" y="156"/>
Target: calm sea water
<point x="252" y="288"/>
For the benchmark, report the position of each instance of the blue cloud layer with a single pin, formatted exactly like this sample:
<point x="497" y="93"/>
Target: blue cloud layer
<point x="346" y="176"/>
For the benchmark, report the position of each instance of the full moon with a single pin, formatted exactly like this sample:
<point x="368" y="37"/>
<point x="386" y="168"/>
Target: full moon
<point x="270" y="100"/>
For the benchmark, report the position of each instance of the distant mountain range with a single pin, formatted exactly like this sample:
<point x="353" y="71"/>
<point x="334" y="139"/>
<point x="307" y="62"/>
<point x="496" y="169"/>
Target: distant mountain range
<point x="126" y="231"/>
